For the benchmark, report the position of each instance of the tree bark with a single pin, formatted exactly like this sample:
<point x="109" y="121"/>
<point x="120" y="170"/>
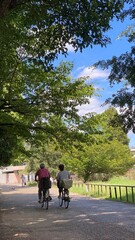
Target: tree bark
<point x="4" y="6"/>
<point x="8" y="5"/>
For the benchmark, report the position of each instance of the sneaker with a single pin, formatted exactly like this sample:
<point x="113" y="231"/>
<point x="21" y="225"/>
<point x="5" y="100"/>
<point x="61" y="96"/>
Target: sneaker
<point x="39" y="201"/>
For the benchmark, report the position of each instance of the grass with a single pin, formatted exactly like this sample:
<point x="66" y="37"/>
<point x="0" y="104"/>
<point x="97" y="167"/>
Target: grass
<point x="32" y="184"/>
<point x="122" y="180"/>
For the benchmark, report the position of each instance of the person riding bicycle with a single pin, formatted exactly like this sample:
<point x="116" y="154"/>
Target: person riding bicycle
<point x="41" y="175"/>
<point x="62" y="174"/>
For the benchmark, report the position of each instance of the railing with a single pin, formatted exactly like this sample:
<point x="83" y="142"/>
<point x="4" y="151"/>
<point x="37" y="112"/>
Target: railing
<point x="118" y="192"/>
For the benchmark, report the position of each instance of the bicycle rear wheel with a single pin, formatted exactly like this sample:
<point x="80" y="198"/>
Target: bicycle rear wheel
<point x="61" y="199"/>
<point x="45" y="202"/>
<point x="66" y="198"/>
<point x="46" y="199"/>
<point x="66" y="201"/>
<point x="42" y="202"/>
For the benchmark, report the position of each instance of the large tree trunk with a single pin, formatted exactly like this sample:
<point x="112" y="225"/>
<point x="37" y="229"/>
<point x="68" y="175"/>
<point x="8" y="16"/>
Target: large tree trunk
<point x="4" y="6"/>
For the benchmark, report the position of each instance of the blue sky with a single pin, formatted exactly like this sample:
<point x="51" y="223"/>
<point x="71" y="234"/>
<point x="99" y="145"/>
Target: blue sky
<point x="83" y="61"/>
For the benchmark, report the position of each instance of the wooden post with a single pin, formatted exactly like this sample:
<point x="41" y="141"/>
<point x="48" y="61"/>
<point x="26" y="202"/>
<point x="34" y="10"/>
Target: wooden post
<point x="127" y="193"/>
<point x="132" y="188"/>
<point x="120" y="192"/>
<point x="115" y="190"/>
<point x="110" y="192"/>
<point x="87" y="187"/>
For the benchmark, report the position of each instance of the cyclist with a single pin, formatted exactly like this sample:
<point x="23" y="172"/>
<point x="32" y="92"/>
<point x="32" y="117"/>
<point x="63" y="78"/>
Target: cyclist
<point x="62" y="174"/>
<point x="40" y="175"/>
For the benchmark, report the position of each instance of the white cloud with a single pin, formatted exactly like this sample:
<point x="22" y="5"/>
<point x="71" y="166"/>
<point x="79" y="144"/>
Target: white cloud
<point x="80" y="68"/>
<point x="70" y="47"/>
<point x="93" y="73"/>
<point x="93" y="106"/>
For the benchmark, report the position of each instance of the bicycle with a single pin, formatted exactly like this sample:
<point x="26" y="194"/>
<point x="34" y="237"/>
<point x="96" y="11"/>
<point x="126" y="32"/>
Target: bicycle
<point x="45" y="198"/>
<point x="45" y="186"/>
<point x="64" y="198"/>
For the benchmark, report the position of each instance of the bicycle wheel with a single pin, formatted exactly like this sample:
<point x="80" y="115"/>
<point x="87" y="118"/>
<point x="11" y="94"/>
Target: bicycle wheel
<point x="66" y="198"/>
<point x="66" y="203"/>
<point x="46" y="200"/>
<point x="61" y="199"/>
<point x="42" y="204"/>
<point x="42" y="200"/>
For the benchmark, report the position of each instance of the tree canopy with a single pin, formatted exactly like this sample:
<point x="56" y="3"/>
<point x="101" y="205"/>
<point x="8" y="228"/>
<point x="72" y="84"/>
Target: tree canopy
<point x="38" y="101"/>
<point x="39" y="31"/>
<point x="105" y="151"/>
<point x="123" y="71"/>
<point x="33" y="101"/>
<point x="32" y="34"/>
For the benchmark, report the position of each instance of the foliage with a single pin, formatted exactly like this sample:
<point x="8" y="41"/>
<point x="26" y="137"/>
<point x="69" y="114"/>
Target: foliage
<point x="123" y="71"/>
<point x="46" y="26"/>
<point x="108" y="153"/>
<point x="33" y="101"/>
<point x="111" y="126"/>
<point x="37" y="98"/>
<point x="47" y="153"/>
<point x="112" y="158"/>
<point x="33" y="33"/>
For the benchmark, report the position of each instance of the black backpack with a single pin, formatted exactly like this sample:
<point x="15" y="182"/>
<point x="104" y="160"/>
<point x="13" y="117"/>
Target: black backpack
<point x="45" y="183"/>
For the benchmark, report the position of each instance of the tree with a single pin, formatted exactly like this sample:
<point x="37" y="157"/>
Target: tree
<point x="33" y="101"/>
<point x="105" y="149"/>
<point x="49" y="153"/>
<point x="112" y="127"/>
<point x="39" y="31"/>
<point x="103" y="127"/>
<point x="123" y="71"/>
<point x="33" y="34"/>
<point x="110" y="158"/>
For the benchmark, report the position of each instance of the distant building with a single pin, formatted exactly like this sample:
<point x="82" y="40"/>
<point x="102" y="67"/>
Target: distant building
<point x="11" y="174"/>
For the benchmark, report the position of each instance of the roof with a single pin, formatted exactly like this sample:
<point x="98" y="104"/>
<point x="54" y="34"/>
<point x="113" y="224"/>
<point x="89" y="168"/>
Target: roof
<point x="13" y="168"/>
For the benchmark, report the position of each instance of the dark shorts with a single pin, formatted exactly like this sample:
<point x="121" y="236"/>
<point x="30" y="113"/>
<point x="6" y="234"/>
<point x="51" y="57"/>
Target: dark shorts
<point x="60" y="187"/>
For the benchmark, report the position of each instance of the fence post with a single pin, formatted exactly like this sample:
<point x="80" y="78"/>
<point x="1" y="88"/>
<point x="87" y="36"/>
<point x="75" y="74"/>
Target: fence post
<point x="106" y="190"/>
<point x="94" y="189"/>
<point x="115" y="190"/>
<point x="87" y="187"/>
<point x="101" y="190"/>
<point x="120" y="192"/>
<point x="132" y="194"/>
<point x="98" y="190"/>
<point x="110" y="192"/>
<point x="126" y="193"/>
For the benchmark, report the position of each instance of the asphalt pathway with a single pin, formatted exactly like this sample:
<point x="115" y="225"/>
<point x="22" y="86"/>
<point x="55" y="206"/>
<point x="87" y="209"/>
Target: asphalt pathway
<point x="22" y="218"/>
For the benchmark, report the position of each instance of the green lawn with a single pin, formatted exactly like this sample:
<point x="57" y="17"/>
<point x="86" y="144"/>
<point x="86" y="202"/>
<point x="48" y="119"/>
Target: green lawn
<point x="122" y="180"/>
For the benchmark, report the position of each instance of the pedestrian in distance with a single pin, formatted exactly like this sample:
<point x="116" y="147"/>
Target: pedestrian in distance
<point x="23" y="178"/>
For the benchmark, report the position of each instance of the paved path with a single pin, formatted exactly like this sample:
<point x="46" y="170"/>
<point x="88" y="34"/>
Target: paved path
<point x="22" y="218"/>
